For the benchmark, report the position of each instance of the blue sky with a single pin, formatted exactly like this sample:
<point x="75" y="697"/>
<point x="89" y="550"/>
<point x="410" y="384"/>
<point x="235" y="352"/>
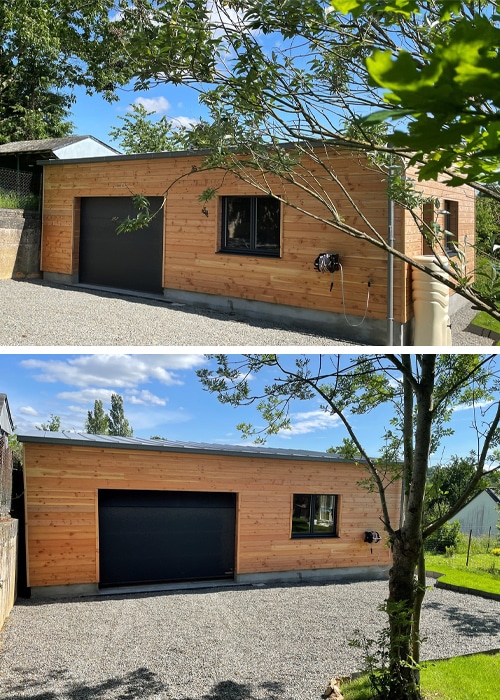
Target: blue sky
<point x="163" y="396"/>
<point x="95" y="116"/>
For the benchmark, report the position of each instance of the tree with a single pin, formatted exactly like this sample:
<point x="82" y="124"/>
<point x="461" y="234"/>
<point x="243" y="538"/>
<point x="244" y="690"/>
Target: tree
<point x="423" y="391"/>
<point x="53" y="425"/>
<point x="117" y="423"/>
<point x="285" y="85"/>
<point x="97" y="422"/>
<point x="448" y="96"/>
<point x="101" y="423"/>
<point x="446" y="484"/>
<point x="139" y="134"/>
<point x="46" y="50"/>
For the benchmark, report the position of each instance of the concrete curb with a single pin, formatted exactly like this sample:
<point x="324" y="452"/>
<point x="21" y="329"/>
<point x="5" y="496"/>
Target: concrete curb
<point x="484" y="332"/>
<point x="461" y="589"/>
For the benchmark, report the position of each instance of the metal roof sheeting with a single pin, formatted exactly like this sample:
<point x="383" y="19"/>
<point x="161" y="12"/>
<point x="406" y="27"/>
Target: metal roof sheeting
<point x="113" y="441"/>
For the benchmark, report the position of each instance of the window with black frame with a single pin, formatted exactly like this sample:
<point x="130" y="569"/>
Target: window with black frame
<point x="251" y="225"/>
<point x="314" y="515"/>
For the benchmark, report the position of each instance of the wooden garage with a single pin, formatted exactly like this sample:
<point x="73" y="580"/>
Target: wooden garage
<point x="106" y="511"/>
<point x="243" y="251"/>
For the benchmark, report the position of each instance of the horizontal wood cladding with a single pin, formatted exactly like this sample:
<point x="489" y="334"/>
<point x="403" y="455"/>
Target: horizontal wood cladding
<point x="61" y="516"/>
<point x="192" y="261"/>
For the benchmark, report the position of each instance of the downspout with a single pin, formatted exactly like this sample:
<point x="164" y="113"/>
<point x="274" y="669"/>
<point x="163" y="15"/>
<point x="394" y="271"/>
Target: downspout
<point x="390" y="261"/>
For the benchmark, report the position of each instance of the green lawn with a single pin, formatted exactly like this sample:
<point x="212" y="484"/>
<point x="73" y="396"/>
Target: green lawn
<point x="475" y="677"/>
<point x="484" y="320"/>
<point x="483" y="572"/>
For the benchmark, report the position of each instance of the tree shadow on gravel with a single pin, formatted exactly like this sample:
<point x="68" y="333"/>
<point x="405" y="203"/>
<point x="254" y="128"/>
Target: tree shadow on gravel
<point x="467" y="623"/>
<point x="141" y="683"/>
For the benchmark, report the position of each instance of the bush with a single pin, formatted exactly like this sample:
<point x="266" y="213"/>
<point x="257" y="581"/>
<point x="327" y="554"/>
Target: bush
<point x="446" y="538"/>
<point x="496" y="552"/>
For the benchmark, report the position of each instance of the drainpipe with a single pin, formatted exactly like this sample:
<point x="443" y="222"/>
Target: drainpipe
<point x="390" y="262"/>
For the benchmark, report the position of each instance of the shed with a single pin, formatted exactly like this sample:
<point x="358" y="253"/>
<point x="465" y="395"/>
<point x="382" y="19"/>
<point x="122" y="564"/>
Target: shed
<point x="481" y="515"/>
<point x="105" y="512"/>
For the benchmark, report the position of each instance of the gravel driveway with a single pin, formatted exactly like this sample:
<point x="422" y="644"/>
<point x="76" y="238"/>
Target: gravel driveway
<point x="35" y="313"/>
<point x="251" y="643"/>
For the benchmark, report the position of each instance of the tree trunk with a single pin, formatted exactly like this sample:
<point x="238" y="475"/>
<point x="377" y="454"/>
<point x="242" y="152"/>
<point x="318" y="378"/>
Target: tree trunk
<point x="404" y="680"/>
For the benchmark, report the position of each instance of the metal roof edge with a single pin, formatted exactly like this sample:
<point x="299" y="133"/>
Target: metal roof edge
<point x="125" y="157"/>
<point x="115" y="442"/>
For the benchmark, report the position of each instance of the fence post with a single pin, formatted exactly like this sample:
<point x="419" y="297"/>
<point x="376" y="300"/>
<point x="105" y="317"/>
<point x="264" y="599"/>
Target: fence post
<point x="489" y="536"/>
<point x="468" y="549"/>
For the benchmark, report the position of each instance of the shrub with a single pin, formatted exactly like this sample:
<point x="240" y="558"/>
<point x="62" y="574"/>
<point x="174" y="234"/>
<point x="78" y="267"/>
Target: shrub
<point x="496" y="552"/>
<point x="446" y="537"/>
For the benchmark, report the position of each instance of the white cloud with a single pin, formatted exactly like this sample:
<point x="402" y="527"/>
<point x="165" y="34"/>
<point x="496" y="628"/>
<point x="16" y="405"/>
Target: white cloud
<point x="309" y="422"/>
<point x="158" y="105"/>
<point x="183" y="122"/>
<point x="144" y="398"/>
<point x="87" y="396"/>
<point x="117" y="371"/>
<point x="28" y="411"/>
<point x="470" y="407"/>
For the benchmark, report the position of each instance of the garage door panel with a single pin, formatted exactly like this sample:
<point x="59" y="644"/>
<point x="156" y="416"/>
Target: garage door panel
<point x="147" y="537"/>
<point x="131" y="260"/>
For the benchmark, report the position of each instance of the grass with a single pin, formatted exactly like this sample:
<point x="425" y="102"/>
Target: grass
<point x="483" y="572"/>
<point x="484" y="320"/>
<point x="475" y="677"/>
<point x="11" y="200"/>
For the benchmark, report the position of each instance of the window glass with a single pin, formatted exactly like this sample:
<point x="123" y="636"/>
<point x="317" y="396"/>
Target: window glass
<point x="251" y="225"/>
<point x="238" y="222"/>
<point x="268" y="224"/>
<point x="314" y="515"/>
<point x="323" y="514"/>
<point x="301" y="514"/>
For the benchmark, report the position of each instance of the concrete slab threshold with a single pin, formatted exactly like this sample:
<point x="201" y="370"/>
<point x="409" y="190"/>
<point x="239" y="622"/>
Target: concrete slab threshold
<point x="165" y="587"/>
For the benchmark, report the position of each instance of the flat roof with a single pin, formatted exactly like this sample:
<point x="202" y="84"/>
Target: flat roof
<point x="128" y="156"/>
<point x="86" y="440"/>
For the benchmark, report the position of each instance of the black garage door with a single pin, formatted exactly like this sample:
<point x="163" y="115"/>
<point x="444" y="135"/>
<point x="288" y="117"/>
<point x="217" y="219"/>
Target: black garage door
<point x="157" y="536"/>
<point x="132" y="260"/>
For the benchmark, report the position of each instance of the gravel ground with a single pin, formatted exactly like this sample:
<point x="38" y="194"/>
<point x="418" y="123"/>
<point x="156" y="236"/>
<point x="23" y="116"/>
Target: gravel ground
<point x="253" y="643"/>
<point x="35" y="313"/>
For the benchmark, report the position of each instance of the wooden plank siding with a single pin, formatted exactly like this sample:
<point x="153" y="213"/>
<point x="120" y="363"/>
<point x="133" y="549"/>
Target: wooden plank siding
<point x="61" y="484"/>
<point x="192" y="261"/>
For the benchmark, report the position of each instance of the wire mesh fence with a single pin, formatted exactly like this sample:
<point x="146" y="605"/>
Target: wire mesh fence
<point x="5" y="477"/>
<point x="475" y="547"/>
<point x="15" y="181"/>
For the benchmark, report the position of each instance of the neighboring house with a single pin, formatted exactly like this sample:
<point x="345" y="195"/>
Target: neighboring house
<point x="481" y="515"/>
<point x="6" y="423"/>
<point x="104" y="512"/>
<point x="243" y="251"/>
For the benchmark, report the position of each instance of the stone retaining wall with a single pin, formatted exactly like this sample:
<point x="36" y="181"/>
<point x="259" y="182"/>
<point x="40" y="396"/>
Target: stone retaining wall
<point x="8" y="557"/>
<point x="20" y="235"/>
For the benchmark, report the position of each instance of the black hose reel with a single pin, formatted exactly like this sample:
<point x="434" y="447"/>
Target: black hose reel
<point x="327" y="262"/>
<point x="372" y="537"/>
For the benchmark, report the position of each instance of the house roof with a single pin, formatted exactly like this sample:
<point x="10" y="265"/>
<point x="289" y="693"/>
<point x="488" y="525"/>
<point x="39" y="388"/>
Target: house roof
<point x="6" y="422"/>
<point x="47" y="145"/>
<point x="112" y="441"/>
<point x="494" y="494"/>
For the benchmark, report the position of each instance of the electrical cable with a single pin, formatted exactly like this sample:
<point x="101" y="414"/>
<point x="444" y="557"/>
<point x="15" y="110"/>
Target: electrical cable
<point x="353" y="325"/>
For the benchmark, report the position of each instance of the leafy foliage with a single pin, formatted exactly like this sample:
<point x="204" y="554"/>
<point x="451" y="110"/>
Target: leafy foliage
<point x="101" y="423"/>
<point x="53" y="425"/>
<point x="139" y="134"/>
<point x="46" y="50"/>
